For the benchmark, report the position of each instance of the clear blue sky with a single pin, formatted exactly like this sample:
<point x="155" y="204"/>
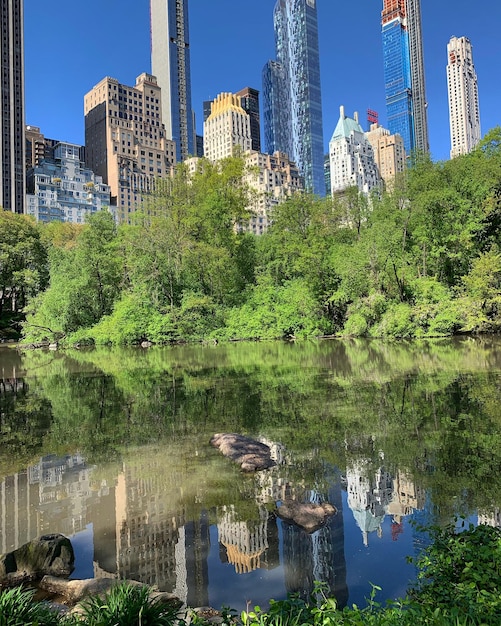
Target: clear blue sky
<point x="71" y="46"/>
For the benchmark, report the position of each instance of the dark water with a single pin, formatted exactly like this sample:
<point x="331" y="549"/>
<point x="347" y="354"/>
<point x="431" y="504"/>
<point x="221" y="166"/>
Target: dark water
<point x="111" y="448"/>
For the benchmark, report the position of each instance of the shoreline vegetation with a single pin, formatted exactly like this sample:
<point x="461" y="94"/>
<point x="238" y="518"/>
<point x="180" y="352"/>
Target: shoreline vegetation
<point x="458" y="583"/>
<point x="422" y="259"/>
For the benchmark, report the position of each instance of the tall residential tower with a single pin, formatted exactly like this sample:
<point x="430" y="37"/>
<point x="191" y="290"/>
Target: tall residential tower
<point x="464" y="115"/>
<point x="170" y="63"/>
<point x="404" y="73"/>
<point x="291" y="91"/>
<point x="12" y="140"/>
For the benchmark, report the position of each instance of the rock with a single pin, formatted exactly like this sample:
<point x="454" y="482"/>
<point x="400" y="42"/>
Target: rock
<point x="146" y="344"/>
<point x="74" y="591"/>
<point x="250" y="454"/>
<point x="309" y="516"/>
<point x="48" y="554"/>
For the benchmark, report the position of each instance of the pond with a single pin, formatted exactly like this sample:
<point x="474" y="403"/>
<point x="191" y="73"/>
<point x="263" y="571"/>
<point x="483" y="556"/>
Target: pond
<point x="111" y="448"/>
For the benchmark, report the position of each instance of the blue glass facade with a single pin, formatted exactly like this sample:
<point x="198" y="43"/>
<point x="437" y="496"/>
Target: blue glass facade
<point x="292" y="94"/>
<point x="274" y="136"/>
<point x="398" y="87"/>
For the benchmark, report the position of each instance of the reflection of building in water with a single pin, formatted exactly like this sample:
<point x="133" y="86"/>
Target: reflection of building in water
<point x="249" y="544"/>
<point x="371" y="497"/>
<point x="368" y="498"/>
<point x="490" y="518"/>
<point x="407" y="497"/>
<point x="155" y="544"/>
<point x="138" y="532"/>
<point x="30" y="501"/>
<point x="318" y="556"/>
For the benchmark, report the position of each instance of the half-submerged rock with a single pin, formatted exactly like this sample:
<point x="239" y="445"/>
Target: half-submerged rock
<point x="307" y="515"/>
<point x="48" y="554"/>
<point x="250" y="454"/>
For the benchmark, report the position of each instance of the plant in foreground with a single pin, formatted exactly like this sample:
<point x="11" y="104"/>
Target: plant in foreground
<point x="128" y="605"/>
<point x="17" y="608"/>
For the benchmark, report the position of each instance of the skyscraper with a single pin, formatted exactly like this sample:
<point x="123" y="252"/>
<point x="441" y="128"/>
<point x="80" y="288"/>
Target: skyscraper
<point x="389" y="153"/>
<point x="292" y="94"/>
<point x="249" y="101"/>
<point x="351" y="156"/>
<point x="404" y="73"/>
<point x="125" y="141"/>
<point x="227" y="126"/>
<point x="170" y="63"/>
<point x="12" y="140"/>
<point x="462" y="86"/>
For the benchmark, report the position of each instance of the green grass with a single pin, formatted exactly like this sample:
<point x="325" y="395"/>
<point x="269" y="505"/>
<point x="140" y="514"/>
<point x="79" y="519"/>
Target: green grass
<point x="17" y="608"/>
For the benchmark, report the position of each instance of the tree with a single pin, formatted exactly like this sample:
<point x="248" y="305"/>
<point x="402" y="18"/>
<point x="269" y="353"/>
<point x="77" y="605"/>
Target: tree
<point x="23" y="262"/>
<point x="85" y="281"/>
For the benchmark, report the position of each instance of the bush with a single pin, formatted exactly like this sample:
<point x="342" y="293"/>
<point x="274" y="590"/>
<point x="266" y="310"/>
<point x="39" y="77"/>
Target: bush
<point x="398" y="321"/>
<point x="461" y="571"/>
<point x="356" y="325"/>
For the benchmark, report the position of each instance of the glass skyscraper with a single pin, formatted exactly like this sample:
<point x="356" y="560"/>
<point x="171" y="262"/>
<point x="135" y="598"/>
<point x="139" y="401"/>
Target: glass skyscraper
<point x="291" y="91"/>
<point x="170" y="63"/>
<point x="404" y="73"/>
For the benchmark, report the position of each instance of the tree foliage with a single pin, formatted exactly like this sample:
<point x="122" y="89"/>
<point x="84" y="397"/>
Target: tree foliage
<point x="23" y="263"/>
<point x="421" y="259"/>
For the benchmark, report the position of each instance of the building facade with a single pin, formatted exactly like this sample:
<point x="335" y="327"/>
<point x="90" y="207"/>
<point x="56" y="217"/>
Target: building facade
<point x="227" y="126"/>
<point x="292" y="92"/>
<point x="389" y="153"/>
<point x="61" y="188"/>
<point x="12" y="140"/>
<point x="462" y="87"/>
<point x="249" y="101"/>
<point x="170" y="63"/>
<point x="405" y="91"/>
<point x="273" y="178"/>
<point x="276" y="126"/>
<point x="351" y="157"/>
<point x="125" y="140"/>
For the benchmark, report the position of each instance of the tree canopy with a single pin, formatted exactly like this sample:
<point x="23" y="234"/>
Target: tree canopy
<point x="420" y="259"/>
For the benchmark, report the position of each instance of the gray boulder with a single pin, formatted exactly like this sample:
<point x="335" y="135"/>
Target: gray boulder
<point x="250" y="454"/>
<point x="74" y="591"/>
<point x="308" y="516"/>
<point x="48" y="554"/>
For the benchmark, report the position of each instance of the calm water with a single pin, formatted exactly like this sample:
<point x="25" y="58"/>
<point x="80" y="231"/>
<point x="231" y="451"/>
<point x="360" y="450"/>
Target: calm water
<point x="111" y="448"/>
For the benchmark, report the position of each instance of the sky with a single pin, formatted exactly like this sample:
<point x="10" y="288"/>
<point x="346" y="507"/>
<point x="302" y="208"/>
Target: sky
<point x="71" y="46"/>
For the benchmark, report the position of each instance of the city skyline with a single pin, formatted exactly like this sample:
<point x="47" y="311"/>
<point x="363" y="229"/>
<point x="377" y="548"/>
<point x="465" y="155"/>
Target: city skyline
<point x="221" y="60"/>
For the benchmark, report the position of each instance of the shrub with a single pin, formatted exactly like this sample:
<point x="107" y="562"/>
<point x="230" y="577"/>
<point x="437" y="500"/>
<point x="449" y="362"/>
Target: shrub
<point x="460" y="572"/>
<point x="356" y="325"/>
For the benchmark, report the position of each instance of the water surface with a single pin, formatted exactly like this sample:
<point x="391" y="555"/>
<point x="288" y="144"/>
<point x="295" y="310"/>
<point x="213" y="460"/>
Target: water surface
<point x="111" y="447"/>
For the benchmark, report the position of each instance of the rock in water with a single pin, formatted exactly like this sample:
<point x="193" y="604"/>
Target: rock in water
<point x="250" y="454"/>
<point x="309" y="516"/>
<point x="48" y="554"/>
<point x="75" y="590"/>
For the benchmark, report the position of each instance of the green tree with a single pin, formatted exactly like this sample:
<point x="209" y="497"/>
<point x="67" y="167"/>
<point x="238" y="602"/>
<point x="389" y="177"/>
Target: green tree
<point x="23" y="264"/>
